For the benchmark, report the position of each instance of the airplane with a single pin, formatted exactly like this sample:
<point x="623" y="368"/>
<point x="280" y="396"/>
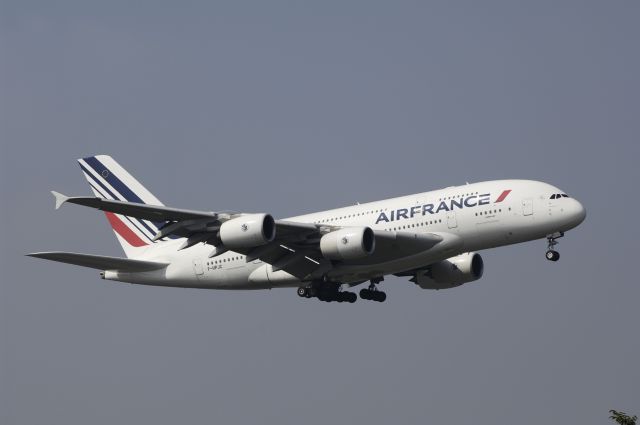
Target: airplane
<point x="430" y="237"/>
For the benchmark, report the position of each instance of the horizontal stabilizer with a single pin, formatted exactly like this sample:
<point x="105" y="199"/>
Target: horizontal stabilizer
<point x="100" y="262"/>
<point x="133" y="209"/>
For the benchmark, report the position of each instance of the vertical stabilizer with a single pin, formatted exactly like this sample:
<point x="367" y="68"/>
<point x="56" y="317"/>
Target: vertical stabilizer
<point x="109" y="180"/>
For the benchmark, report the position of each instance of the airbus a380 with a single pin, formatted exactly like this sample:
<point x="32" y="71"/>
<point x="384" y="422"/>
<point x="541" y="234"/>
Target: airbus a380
<point x="430" y="237"/>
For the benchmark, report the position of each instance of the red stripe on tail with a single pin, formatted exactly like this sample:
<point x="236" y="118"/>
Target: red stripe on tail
<point x="122" y="229"/>
<point x="503" y="196"/>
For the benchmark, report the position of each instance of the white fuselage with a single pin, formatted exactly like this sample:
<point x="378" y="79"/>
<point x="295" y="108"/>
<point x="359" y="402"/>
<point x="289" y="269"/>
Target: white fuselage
<point x="480" y="215"/>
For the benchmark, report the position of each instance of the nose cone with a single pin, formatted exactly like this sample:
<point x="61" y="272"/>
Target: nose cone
<point x="577" y="212"/>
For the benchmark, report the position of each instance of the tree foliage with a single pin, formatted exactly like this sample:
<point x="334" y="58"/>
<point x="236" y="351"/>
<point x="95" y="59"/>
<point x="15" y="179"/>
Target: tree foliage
<point x="622" y="418"/>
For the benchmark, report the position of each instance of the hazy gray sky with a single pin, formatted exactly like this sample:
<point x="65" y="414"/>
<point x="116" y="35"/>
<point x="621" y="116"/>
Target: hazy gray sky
<point x="290" y="107"/>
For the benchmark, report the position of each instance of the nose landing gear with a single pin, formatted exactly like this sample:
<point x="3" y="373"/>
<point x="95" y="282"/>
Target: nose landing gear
<point x="552" y="254"/>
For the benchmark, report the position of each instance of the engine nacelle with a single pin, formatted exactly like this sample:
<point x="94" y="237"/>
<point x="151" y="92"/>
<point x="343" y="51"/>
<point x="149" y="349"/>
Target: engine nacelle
<point x="348" y="244"/>
<point x="248" y="231"/>
<point x="451" y="272"/>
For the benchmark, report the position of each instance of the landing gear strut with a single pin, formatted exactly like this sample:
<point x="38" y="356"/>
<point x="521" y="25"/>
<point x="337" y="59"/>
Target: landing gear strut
<point x="552" y="254"/>
<point x="372" y="293"/>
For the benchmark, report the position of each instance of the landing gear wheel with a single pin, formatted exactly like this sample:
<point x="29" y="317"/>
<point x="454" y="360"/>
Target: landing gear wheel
<point x="322" y="296"/>
<point x="373" y="295"/>
<point x="380" y="296"/>
<point x="552" y="255"/>
<point x="345" y="296"/>
<point x="327" y="291"/>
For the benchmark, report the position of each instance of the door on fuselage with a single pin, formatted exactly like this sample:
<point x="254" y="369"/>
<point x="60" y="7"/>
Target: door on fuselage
<point x="527" y="207"/>
<point x="197" y="268"/>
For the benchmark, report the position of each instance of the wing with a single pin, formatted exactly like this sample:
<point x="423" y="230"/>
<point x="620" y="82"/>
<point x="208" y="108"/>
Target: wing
<point x="294" y="249"/>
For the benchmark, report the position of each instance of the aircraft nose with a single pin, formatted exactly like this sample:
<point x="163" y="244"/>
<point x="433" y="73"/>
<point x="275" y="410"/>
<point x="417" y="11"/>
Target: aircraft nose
<point x="578" y="212"/>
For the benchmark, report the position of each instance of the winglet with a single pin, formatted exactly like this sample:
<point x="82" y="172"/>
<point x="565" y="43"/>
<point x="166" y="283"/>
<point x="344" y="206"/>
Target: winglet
<point x="60" y="198"/>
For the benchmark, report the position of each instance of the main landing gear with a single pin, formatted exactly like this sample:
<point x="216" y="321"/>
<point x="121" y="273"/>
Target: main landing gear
<point x="372" y="293"/>
<point x="330" y="291"/>
<point x="552" y="254"/>
<point x="327" y="291"/>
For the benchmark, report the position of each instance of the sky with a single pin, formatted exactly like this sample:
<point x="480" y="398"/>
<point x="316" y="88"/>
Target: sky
<point x="292" y="107"/>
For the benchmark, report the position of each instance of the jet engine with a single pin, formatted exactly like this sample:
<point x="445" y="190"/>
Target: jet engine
<point x="248" y="231"/>
<point x="451" y="272"/>
<point x="348" y="244"/>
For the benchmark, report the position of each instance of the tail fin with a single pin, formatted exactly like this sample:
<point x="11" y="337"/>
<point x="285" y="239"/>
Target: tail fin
<point x="109" y="180"/>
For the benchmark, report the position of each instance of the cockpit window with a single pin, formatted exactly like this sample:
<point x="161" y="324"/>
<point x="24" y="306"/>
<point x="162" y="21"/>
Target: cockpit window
<point x="564" y="195"/>
<point x="559" y="195"/>
<point x="553" y="196"/>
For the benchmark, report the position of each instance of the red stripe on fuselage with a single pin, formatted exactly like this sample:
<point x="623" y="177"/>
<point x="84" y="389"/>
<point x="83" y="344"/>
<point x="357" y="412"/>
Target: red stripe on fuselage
<point x="503" y="195"/>
<point x="122" y="229"/>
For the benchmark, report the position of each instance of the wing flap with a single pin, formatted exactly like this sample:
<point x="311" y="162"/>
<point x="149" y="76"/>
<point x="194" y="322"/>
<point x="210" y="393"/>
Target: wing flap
<point x="100" y="262"/>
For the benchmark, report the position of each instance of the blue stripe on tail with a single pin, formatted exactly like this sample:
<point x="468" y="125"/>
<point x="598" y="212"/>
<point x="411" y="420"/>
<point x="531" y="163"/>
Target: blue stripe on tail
<point x="98" y="182"/>
<point x="118" y="185"/>
<point x="113" y="180"/>
<point x="106" y="189"/>
<point x="122" y="188"/>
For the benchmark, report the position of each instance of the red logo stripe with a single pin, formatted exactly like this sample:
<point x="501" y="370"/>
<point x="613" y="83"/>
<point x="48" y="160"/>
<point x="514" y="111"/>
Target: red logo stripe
<point x="503" y="195"/>
<point x="122" y="229"/>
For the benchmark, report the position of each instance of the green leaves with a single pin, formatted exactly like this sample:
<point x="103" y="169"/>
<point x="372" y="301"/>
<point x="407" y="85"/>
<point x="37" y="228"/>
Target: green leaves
<point x="622" y="418"/>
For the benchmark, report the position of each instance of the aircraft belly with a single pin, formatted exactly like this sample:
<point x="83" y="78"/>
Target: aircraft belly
<point x="264" y="276"/>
